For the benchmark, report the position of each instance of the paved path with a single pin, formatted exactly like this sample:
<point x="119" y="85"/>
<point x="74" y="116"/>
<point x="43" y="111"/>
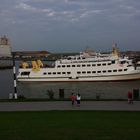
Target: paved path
<point x="66" y="105"/>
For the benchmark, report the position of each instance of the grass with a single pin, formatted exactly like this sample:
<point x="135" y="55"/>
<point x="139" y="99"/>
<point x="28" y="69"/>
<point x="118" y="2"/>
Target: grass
<point x="70" y="125"/>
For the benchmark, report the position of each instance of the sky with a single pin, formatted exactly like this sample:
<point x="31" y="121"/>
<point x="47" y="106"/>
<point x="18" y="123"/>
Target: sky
<point x="70" y="25"/>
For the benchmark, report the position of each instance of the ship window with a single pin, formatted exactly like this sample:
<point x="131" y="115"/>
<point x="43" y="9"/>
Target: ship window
<point x="69" y="58"/>
<point x="129" y="65"/>
<point x="25" y="73"/>
<point x="78" y="72"/>
<point x="58" y="66"/>
<point x="114" y="70"/>
<point x="125" y="69"/>
<point x="63" y="72"/>
<point x="93" y="71"/>
<point x="63" y="66"/>
<point x="73" y="65"/>
<point x="58" y="72"/>
<point x="88" y="71"/>
<point x="88" y="65"/>
<point x="68" y="65"/>
<point x="83" y="72"/>
<point x="93" y="65"/>
<point x="44" y="73"/>
<point x="98" y="64"/>
<point x="78" y="65"/>
<point x="120" y="69"/>
<point x="98" y="71"/>
<point x="54" y="72"/>
<point x="113" y="61"/>
<point x="104" y="64"/>
<point x="68" y="72"/>
<point x="104" y="71"/>
<point x="122" y="62"/>
<point x="109" y="70"/>
<point x="83" y="65"/>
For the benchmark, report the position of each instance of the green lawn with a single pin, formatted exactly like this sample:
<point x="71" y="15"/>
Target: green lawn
<point x="70" y="125"/>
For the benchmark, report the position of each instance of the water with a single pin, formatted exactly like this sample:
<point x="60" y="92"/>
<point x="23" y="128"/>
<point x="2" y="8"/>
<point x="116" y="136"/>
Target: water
<point x="6" y="83"/>
<point x="88" y="90"/>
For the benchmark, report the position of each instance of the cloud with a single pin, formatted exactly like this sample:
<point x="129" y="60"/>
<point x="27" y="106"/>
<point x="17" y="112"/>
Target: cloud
<point x="29" y="8"/>
<point x="69" y="11"/>
<point x="84" y="18"/>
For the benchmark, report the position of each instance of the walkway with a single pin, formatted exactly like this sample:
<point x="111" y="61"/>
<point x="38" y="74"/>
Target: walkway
<point x="66" y="105"/>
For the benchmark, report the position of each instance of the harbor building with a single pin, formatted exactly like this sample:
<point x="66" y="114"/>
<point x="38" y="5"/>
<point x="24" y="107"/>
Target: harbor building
<point x="5" y="47"/>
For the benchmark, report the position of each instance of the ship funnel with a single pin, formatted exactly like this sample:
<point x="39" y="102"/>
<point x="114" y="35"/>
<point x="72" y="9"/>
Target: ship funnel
<point x="115" y="51"/>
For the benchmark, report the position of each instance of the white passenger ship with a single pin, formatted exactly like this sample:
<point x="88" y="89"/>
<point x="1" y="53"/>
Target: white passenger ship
<point x="82" y="67"/>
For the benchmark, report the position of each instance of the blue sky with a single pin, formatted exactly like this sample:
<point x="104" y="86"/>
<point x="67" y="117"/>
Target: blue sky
<point x="71" y="25"/>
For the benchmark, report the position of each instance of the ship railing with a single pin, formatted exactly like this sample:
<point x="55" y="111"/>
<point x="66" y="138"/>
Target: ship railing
<point x="84" y="61"/>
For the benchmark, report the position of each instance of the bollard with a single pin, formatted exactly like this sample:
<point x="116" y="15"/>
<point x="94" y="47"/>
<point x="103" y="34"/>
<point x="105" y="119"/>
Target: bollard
<point x="10" y="95"/>
<point x="15" y="96"/>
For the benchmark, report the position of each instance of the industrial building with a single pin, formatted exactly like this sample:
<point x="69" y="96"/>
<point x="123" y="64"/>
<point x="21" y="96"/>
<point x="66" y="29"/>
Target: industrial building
<point x="5" y="47"/>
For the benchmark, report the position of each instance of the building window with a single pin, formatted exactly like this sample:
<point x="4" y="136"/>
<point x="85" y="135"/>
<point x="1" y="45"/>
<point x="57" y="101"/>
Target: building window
<point x="109" y="71"/>
<point x="49" y="73"/>
<point x="125" y="69"/>
<point x="78" y="72"/>
<point x="44" y="73"/>
<point x="68" y="65"/>
<point x="98" y="64"/>
<point x="58" y="66"/>
<point x="63" y="72"/>
<point x="63" y="66"/>
<point x="58" y="72"/>
<point x="54" y="72"/>
<point x="88" y="65"/>
<point x="73" y="65"/>
<point x="109" y="63"/>
<point x="98" y="71"/>
<point x="93" y="65"/>
<point x="104" y="71"/>
<point x="68" y="73"/>
<point x="120" y="70"/>
<point x="83" y="65"/>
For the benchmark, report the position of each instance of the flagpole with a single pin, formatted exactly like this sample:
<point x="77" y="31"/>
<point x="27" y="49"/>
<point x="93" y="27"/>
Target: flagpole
<point x="14" y="76"/>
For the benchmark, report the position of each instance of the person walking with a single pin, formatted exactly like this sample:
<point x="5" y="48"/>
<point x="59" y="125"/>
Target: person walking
<point x="73" y="99"/>
<point x="78" y="98"/>
<point x="130" y="97"/>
